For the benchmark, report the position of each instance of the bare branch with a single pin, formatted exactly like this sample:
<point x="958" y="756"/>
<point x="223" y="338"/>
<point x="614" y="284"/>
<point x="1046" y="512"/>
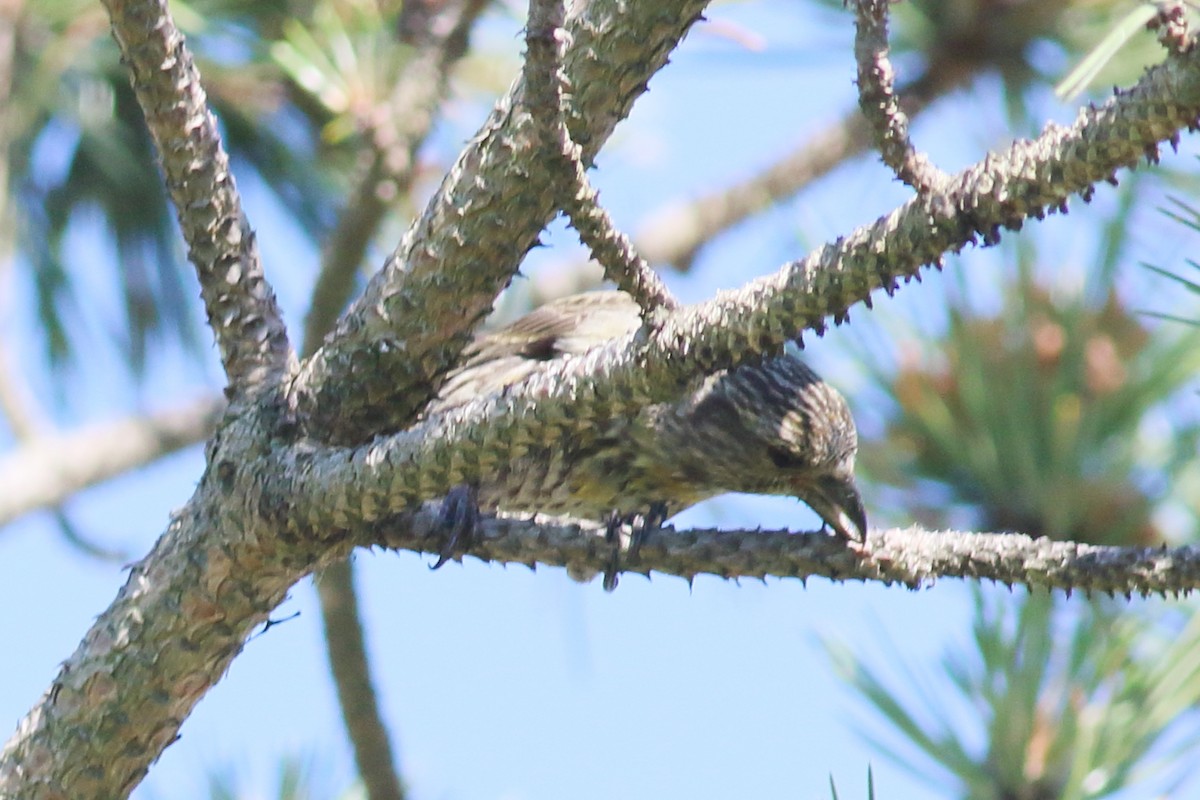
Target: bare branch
<point x="274" y="504"/>
<point x="45" y="471"/>
<point x="172" y="631"/>
<point x="877" y="99"/>
<point x="913" y="557"/>
<point x="240" y="304"/>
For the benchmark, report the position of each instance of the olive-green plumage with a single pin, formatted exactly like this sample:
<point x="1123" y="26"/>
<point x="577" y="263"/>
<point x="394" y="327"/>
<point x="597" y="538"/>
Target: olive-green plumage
<point x="772" y="428"/>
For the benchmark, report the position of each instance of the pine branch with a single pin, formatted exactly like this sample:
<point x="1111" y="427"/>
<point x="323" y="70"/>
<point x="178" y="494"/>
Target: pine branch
<point x="400" y="127"/>
<point x="239" y="302"/>
<point x="913" y="557"/>
<point x="388" y="353"/>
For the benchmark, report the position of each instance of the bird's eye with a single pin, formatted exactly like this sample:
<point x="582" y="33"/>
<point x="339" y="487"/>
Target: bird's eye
<point x="541" y="349"/>
<point x="786" y="459"/>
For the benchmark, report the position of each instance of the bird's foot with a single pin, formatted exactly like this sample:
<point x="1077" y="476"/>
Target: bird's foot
<point x="459" y="519"/>
<point x="639" y="523"/>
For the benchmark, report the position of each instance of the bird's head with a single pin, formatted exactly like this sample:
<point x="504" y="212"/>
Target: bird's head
<point x="785" y="432"/>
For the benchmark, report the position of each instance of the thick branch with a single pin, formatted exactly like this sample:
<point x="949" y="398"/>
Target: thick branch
<point x="386" y="357"/>
<point x="880" y="107"/>
<point x="46" y="471"/>
<point x="261" y="519"/>
<point x="181" y="618"/>
<point x="241" y="307"/>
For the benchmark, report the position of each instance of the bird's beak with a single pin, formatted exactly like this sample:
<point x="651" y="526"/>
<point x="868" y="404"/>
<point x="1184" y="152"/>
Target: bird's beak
<point x="839" y="504"/>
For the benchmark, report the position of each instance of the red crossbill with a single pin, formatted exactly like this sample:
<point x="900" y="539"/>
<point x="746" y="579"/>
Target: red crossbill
<point x="769" y="428"/>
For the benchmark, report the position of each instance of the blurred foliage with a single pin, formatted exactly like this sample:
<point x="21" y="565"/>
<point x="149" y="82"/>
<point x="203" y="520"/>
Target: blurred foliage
<point x="1188" y="215"/>
<point x="1027" y="44"/>
<point x="298" y="778"/>
<point x="1034" y="417"/>
<point x="76" y="143"/>
<point x="1014" y="37"/>
<point x="78" y="151"/>
<point x="295" y="85"/>
<point x="1121" y="33"/>
<point x="345" y="57"/>
<point x="1061" y="702"/>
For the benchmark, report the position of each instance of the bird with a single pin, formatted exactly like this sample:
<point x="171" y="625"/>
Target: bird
<point x="769" y="428"/>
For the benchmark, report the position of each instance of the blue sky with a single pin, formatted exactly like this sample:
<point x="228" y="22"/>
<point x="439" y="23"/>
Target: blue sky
<point x="526" y="686"/>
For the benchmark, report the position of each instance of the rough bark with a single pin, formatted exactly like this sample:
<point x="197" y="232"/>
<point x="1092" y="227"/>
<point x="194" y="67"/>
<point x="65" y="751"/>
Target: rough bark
<point x="289" y="486"/>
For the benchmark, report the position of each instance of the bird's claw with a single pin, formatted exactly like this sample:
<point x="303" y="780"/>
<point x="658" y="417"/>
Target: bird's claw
<point x="459" y="519"/>
<point x="639" y="524"/>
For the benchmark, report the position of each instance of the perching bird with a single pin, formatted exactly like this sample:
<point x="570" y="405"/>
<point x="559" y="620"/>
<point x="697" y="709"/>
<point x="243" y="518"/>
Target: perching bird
<point x="772" y="428"/>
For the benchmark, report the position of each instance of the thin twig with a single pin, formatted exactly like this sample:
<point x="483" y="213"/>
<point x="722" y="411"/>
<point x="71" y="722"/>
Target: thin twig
<point x="911" y="557"/>
<point x="877" y="99"/>
<point x="545" y="84"/>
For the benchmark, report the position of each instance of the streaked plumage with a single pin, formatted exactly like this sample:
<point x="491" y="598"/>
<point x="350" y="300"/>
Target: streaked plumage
<point x="772" y="428"/>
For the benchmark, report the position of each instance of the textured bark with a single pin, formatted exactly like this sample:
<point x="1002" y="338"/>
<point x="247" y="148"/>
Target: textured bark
<point x="181" y="618"/>
<point x="230" y="555"/>
<point x="386" y="357"/>
<point x="545" y="84"/>
<point x="1032" y="178"/>
<point x="912" y="557"/>
<point x="240" y="304"/>
<point x="881" y="105"/>
<point x="277" y="500"/>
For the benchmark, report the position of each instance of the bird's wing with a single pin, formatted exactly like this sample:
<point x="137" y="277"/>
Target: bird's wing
<point x="567" y="326"/>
